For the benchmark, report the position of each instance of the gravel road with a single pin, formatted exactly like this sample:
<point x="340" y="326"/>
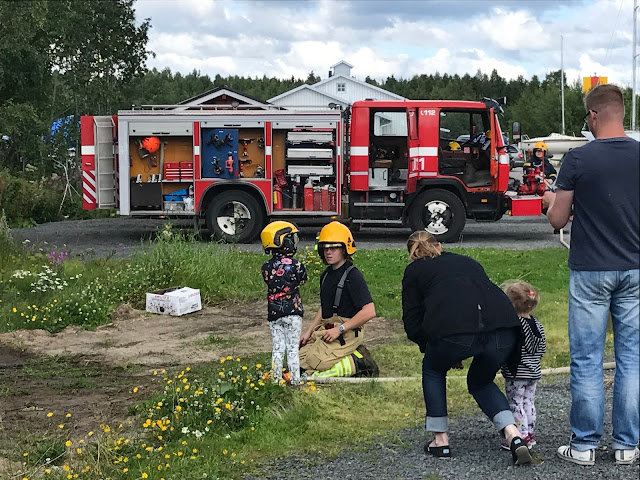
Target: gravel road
<point x="474" y="447"/>
<point x="120" y="236"/>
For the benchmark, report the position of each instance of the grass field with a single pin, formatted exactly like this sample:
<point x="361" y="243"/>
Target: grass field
<point x="222" y="419"/>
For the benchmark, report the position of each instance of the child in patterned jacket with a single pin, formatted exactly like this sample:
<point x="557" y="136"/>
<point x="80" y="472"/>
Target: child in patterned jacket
<point x="520" y="386"/>
<point x="283" y="275"/>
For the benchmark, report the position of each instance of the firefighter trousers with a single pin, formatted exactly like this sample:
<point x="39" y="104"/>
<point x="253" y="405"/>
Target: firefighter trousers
<point x="318" y="355"/>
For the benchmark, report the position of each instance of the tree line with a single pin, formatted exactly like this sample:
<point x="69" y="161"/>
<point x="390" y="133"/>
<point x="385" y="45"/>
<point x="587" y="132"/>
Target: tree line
<point x="60" y="59"/>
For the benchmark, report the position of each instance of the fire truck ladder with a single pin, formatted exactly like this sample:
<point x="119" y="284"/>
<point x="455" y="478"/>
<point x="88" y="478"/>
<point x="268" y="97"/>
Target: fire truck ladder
<point x="105" y="162"/>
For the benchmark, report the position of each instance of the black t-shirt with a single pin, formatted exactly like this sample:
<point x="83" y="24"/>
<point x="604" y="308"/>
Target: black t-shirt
<point x="355" y="293"/>
<point x="604" y="177"/>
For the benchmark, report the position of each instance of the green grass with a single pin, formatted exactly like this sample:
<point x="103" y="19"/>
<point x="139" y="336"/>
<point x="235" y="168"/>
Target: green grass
<point x="219" y="341"/>
<point x="319" y="422"/>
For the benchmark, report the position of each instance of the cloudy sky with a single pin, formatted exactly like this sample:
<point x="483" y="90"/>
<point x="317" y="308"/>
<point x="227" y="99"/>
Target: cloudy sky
<point x="384" y="37"/>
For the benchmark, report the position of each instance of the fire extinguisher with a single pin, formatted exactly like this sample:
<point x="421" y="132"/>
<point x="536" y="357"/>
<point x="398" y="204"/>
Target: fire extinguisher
<point x="277" y="197"/>
<point x="308" y="195"/>
<point x="332" y="198"/>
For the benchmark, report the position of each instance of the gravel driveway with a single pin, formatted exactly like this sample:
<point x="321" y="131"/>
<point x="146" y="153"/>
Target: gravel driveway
<point x="474" y="446"/>
<point x="121" y="236"/>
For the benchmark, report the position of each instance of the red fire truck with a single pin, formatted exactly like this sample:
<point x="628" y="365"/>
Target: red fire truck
<point x="423" y="164"/>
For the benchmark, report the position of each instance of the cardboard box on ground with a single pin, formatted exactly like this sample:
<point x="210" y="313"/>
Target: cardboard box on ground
<point x="174" y="301"/>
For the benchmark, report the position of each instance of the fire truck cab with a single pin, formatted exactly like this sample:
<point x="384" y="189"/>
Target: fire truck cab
<point x="423" y="164"/>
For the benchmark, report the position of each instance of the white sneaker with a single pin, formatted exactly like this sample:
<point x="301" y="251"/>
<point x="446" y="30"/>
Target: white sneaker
<point x="569" y="454"/>
<point x="627" y="457"/>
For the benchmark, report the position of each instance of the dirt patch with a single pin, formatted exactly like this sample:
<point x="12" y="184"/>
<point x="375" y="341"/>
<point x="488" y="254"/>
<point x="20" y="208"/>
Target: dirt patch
<point x="90" y="392"/>
<point x="91" y="374"/>
<point x="139" y="338"/>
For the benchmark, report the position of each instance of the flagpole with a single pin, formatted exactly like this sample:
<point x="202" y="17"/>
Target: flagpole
<point x="635" y="56"/>
<point x="562" y="78"/>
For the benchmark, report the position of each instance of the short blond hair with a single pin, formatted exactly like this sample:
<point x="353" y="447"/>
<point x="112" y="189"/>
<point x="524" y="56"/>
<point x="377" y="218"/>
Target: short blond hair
<point x="605" y="99"/>
<point x="422" y="244"/>
<point x="522" y="295"/>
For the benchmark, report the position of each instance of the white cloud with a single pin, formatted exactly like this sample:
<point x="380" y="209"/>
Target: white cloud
<point x="282" y="39"/>
<point x="512" y="30"/>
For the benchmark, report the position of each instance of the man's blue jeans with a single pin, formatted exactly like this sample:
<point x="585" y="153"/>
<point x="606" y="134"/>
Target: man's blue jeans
<point x="592" y="296"/>
<point x="490" y="351"/>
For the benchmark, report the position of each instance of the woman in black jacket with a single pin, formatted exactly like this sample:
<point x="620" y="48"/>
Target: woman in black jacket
<point x="453" y="311"/>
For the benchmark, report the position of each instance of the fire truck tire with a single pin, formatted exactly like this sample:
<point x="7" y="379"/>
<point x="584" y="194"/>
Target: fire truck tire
<point x="439" y="212"/>
<point x="234" y="217"/>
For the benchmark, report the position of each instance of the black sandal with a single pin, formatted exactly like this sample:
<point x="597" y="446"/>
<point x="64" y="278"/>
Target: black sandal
<point x="439" y="452"/>
<point x="520" y="452"/>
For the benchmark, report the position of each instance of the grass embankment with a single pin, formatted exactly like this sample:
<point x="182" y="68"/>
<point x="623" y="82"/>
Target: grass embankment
<point x="234" y="434"/>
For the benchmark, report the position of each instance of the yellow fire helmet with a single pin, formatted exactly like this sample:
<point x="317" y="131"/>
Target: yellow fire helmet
<point x="488" y="134"/>
<point x="454" y="146"/>
<point x="280" y="236"/>
<point x="540" y="146"/>
<point x="336" y="234"/>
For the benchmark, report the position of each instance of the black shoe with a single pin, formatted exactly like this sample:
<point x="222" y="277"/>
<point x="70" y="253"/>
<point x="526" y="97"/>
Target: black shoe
<point x="365" y="366"/>
<point x="439" y="452"/>
<point x="520" y="452"/>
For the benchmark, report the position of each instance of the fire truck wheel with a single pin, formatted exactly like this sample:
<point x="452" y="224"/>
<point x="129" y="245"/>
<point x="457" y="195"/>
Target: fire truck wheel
<point x="440" y="213"/>
<point x="234" y="217"/>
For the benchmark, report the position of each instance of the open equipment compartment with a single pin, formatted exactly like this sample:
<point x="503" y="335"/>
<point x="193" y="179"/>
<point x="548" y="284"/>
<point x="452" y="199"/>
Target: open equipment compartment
<point x="305" y="178"/>
<point x="160" y="163"/>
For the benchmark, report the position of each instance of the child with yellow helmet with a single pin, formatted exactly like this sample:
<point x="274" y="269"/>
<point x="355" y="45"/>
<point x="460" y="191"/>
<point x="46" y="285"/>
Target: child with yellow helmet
<point x="541" y="160"/>
<point x="283" y="275"/>
<point x="331" y="345"/>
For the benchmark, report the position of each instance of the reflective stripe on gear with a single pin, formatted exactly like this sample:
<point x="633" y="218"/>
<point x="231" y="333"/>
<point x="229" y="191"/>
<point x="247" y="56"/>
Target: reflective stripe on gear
<point x="343" y="368"/>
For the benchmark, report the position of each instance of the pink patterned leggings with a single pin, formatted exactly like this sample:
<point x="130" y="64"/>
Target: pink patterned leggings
<point x="521" y="395"/>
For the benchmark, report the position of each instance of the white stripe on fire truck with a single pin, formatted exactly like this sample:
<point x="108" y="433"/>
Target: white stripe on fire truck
<point x="88" y="150"/>
<point x="428" y="174"/>
<point x="87" y="178"/>
<point x="87" y="189"/>
<point x="503" y="159"/>
<point x="358" y="173"/>
<point x="196" y="149"/>
<point x="267" y="150"/>
<point x="360" y="151"/>
<point x="423" y="152"/>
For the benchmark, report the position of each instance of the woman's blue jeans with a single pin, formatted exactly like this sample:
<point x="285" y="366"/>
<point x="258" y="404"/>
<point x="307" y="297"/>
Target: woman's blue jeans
<point x="490" y="351"/>
<point x="593" y="296"/>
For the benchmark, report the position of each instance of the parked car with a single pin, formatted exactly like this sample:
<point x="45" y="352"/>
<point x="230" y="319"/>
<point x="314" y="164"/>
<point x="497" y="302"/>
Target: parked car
<point x="516" y="158"/>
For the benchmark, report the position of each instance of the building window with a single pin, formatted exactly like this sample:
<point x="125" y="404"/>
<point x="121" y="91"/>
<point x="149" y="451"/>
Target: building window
<point x="342" y="87"/>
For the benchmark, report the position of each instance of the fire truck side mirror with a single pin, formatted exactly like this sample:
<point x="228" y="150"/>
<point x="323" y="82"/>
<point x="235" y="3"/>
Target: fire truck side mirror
<point x="515" y="132"/>
<point x="502" y="100"/>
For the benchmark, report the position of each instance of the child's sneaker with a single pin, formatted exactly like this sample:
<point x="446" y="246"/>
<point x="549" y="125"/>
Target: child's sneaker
<point x="531" y="440"/>
<point x="505" y="446"/>
<point x="587" y="458"/>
